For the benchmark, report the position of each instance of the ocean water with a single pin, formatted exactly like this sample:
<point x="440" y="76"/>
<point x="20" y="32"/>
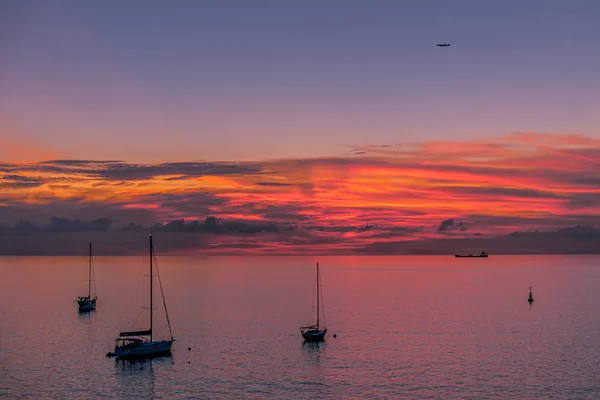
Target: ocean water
<point x="406" y="327"/>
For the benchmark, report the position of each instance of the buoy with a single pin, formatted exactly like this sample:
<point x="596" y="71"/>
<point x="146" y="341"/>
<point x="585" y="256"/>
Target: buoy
<point x="189" y="349"/>
<point x="530" y="299"/>
<point x="334" y="335"/>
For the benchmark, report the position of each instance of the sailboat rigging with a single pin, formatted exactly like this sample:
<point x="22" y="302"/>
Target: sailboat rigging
<point x="314" y="333"/>
<point x="140" y="344"/>
<point x="88" y="303"/>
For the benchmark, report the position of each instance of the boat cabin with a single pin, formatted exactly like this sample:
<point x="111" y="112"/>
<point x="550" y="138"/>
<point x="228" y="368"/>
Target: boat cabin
<point x="128" y="343"/>
<point x="309" y="328"/>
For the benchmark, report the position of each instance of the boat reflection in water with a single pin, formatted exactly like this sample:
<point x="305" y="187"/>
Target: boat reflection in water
<point x="136" y="377"/>
<point x="312" y="351"/>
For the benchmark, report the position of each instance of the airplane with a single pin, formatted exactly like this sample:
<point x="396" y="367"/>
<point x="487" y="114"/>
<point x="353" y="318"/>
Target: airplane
<point x="443" y="45"/>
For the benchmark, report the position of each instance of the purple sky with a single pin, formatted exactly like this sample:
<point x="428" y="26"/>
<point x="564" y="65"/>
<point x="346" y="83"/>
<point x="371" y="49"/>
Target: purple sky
<point x="237" y="80"/>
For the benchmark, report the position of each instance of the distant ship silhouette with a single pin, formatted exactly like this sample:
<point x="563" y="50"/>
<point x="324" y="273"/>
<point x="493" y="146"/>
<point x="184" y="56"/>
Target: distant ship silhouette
<point x="483" y="254"/>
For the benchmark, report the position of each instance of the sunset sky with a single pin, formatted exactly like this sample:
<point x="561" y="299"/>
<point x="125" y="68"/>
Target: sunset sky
<point x="277" y="127"/>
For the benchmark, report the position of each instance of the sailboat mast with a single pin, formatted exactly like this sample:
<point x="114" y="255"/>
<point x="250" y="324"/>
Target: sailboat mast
<point x="151" y="287"/>
<point x="90" y="273"/>
<point x="318" y="290"/>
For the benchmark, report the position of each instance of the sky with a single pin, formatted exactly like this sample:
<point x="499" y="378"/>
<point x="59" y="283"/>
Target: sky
<point x="300" y="126"/>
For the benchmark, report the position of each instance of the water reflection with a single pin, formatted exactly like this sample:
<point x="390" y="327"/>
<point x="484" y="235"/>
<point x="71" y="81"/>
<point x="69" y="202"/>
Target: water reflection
<point x="85" y="316"/>
<point x="136" y="378"/>
<point x="312" y="351"/>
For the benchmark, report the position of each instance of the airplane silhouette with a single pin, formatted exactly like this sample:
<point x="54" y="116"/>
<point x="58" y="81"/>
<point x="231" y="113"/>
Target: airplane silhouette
<point x="443" y="45"/>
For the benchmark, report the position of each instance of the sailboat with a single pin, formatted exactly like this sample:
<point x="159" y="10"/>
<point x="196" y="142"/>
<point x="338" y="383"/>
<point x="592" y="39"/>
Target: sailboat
<point x="88" y="303"/>
<point x="530" y="299"/>
<point x="140" y="344"/>
<point x="314" y="333"/>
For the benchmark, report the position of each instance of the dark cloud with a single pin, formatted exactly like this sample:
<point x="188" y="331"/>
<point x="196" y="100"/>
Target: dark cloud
<point x="220" y="227"/>
<point x="123" y="171"/>
<point x="238" y="245"/>
<point x="58" y="225"/>
<point x="274" y="184"/>
<point x="282" y="213"/>
<point x="445" y="225"/>
<point x="19" y="181"/>
<point x="572" y="240"/>
<point x="188" y="204"/>
<point x="69" y="237"/>
<point x="117" y="170"/>
<point x="40" y="214"/>
<point x="451" y="225"/>
<point x="133" y="227"/>
<point x="504" y="192"/>
<point x="101" y="224"/>
<point x="210" y="225"/>
<point x="371" y="148"/>
<point x="23" y="228"/>
<point x="66" y="225"/>
<point x="544" y="221"/>
<point x="593" y="181"/>
<point x="395" y="232"/>
<point x="105" y="243"/>
<point x="342" y="229"/>
<point x="579" y="233"/>
<point x="584" y="200"/>
<point x="82" y="163"/>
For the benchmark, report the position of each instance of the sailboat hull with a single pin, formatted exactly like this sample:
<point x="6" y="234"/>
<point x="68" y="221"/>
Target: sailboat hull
<point x="314" y="335"/>
<point x="86" y="304"/>
<point x="144" y="350"/>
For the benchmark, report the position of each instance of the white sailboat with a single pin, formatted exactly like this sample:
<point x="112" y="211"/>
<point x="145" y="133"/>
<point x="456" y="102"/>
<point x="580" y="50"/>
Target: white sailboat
<point x="140" y="344"/>
<point x="314" y="333"/>
<point x="88" y="303"/>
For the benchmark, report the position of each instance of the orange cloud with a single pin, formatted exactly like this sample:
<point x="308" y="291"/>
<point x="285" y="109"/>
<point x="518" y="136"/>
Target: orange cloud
<point x="519" y="182"/>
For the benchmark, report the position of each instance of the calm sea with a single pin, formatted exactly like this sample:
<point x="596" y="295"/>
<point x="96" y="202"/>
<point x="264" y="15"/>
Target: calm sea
<point x="407" y="328"/>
